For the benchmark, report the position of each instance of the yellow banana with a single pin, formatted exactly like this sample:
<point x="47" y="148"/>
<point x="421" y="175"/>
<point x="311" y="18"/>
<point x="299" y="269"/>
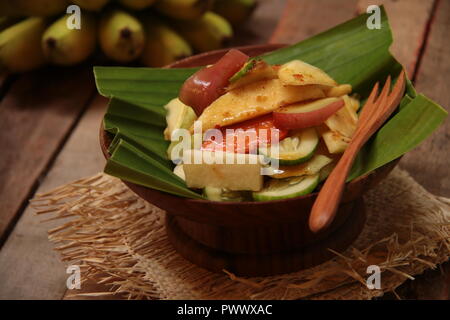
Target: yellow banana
<point x="65" y="46"/>
<point x="91" y="5"/>
<point x="184" y="9"/>
<point x="210" y="32"/>
<point x="137" y="4"/>
<point x="20" y="45"/>
<point x="163" y="45"/>
<point x="121" y="36"/>
<point x="32" y="7"/>
<point x="6" y="22"/>
<point x="235" y="11"/>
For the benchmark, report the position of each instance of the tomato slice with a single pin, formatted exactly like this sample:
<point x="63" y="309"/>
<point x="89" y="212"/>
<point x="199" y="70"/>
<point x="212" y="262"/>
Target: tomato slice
<point x="208" y="84"/>
<point x="245" y="137"/>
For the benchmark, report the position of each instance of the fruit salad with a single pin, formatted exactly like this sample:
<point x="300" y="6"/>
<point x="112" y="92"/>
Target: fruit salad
<point x="251" y="131"/>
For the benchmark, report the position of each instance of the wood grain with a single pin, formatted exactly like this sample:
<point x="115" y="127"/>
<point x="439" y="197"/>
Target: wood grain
<point x="305" y="18"/>
<point x="260" y="27"/>
<point x="36" y="115"/>
<point x="428" y="163"/>
<point x="29" y="268"/>
<point x="409" y="22"/>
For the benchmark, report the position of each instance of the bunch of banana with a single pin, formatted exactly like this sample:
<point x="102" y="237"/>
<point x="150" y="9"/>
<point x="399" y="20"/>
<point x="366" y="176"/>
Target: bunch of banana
<point x="163" y="45"/>
<point x="235" y="11"/>
<point x="20" y="45"/>
<point x="209" y="32"/>
<point x="90" y="5"/>
<point x="32" y="7"/>
<point x="184" y="9"/>
<point x="121" y="36"/>
<point x="137" y="4"/>
<point x="65" y="46"/>
<point x="154" y="32"/>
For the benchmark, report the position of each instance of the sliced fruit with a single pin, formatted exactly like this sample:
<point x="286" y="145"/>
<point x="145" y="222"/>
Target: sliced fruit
<point x="178" y="116"/>
<point x="219" y="194"/>
<point x="208" y="84"/>
<point x="253" y="71"/>
<point x="354" y="103"/>
<point x="326" y="171"/>
<point x="338" y="91"/>
<point x="335" y="142"/>
<point x="254" y="100"/>
<point x="299" y="73"/>
<point x="344" y="121"/>
<point x="179" y="171"/>
<point x="295" y="149"/>
<point x="306" y="114"/>
<point x="287" y="188"/>
<point x="236" y="172"/>
<point x="313" y="166"/>
<point x="245" y="137"/>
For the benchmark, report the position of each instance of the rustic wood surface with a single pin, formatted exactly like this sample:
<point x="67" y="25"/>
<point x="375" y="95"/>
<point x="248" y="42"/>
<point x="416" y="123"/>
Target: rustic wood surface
<point x="50" y="123"/>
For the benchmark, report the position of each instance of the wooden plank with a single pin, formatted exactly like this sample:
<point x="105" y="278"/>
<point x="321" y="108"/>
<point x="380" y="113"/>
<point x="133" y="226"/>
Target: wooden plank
<point x="304" y="18"/>
<point x="261" y="25"/>
<point x="409" y="22"/>
<point x="428" y="163"/>
<point x="38" y="273"/>
<point x="5" y="81"/>
<point x="36" y="115"/>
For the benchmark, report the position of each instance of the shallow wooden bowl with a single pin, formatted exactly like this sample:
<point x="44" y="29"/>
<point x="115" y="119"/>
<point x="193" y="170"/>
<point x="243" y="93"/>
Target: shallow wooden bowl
<point x="256" y="238"/>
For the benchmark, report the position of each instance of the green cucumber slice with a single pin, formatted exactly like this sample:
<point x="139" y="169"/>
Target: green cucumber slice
<point x="287" y="188"/>
<point x="219" y="194"/>
<point x="295" y="149"/>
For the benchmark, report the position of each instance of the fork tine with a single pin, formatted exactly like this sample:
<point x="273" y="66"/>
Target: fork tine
<point x="369" y="104"/>
<point x="385" y="91"/>
<point x="397" y="93"/>
<point x="373" y="94"/>
<point x="370" y="111"/>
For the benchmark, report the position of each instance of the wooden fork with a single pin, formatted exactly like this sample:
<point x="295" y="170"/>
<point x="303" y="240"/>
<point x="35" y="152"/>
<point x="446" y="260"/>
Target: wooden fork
<point x="375" y="112"/>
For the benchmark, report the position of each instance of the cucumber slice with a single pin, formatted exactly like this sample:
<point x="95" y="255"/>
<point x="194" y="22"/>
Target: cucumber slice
<point x="295" y="149"/>
<point x="219" y="194"/>
<point x="311" y="167"/>
<point x="287" y="188"/>
<point x="326" y="171"/>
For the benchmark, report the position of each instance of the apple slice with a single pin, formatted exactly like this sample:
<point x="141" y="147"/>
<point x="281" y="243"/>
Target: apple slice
<point x="306" y="114"/>
<point x="208" y="84"/>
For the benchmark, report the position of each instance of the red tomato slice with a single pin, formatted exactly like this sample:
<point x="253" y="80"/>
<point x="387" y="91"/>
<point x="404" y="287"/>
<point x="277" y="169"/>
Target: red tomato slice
<point x="208" y="84"/>
<point x="246" y="136"/>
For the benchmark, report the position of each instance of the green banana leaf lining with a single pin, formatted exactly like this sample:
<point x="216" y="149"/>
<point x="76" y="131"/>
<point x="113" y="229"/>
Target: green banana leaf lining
<point x="350" y="53"/>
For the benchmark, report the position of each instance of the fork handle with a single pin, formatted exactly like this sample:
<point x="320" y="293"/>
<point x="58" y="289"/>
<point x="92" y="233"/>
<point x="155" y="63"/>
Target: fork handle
<point x="328" y="199"/>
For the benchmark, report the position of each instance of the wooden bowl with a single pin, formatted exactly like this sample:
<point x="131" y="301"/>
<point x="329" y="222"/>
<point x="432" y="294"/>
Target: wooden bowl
<point x="256" y="238"/>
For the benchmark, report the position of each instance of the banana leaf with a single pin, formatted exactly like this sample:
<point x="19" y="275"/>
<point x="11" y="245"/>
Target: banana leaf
<point x="350" y="52"/>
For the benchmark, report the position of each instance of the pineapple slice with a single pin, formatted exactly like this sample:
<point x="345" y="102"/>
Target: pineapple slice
<point x="299" y="73"/>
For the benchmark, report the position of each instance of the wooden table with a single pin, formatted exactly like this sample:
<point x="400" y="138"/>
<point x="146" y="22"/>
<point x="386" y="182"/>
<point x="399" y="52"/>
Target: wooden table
<point x="50" y="118"/>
